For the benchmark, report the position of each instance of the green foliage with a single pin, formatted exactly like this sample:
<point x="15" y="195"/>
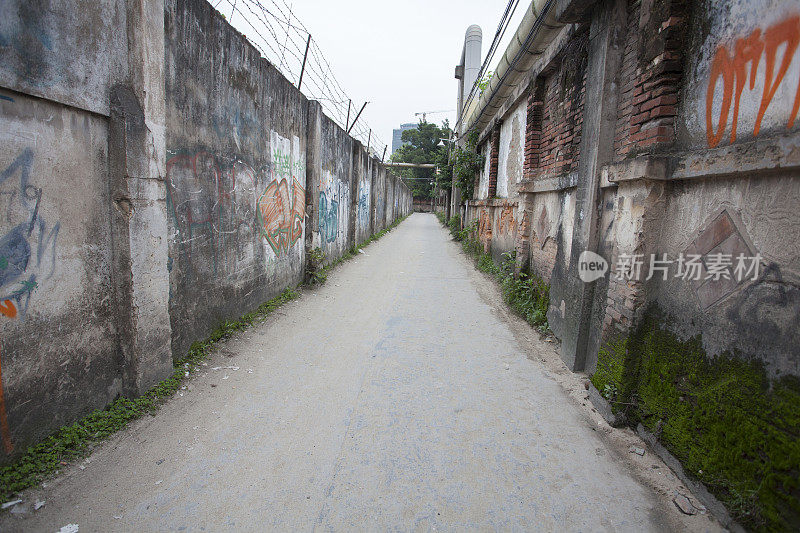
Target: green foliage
<point x="467" y="238"/>
<point x="730" y="427"/>
<point x="484" y="81"/>
<point x="72" y="442"/>
<point x="423" y="146"/>
<point x="487" y="265"/>
<point x="610" y="368"/>
<point x="466" y="165"/>
<point x="455" y="227"/>
<point x="315" y="267"/>
<point x="525" y="293"/>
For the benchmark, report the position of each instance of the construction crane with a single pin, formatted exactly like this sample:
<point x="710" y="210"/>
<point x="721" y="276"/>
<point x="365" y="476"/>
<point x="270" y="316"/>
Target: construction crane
<point x="424" y="113"/>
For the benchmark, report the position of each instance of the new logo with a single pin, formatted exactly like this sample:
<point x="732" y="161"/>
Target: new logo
<point x="591" y="266"/>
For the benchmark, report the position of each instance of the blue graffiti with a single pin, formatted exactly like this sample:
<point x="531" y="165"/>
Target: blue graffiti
<point x="328" y="218"/>
<point x="18" y="274"/>
<point x="363" y="205"/>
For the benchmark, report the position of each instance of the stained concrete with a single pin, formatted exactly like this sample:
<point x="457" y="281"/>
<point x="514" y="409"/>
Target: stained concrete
<point x="395" y="396"/>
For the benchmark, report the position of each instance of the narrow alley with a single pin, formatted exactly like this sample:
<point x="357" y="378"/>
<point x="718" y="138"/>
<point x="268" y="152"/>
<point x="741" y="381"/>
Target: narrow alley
<point x="397" y="395"/>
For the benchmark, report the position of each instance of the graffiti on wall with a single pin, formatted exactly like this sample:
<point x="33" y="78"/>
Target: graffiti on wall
<point x="333" y="202"/>
<point x="363" y="203"/>
<point x="209" y="201"/>
<point x="739" y="65"/>
<point x="281" y="207"/>
<point x="27" y="251"/>
<point x="218" y="213"/>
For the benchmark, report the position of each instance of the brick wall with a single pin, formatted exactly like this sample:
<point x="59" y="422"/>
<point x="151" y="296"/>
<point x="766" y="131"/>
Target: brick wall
<point x="533" y="129"/>
<point x="651" y="75"/>
<point x="494" y="159"/>
<point x="555" y="147"/>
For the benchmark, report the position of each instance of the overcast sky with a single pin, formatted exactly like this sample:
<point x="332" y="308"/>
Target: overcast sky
<point x="400" y="55"/>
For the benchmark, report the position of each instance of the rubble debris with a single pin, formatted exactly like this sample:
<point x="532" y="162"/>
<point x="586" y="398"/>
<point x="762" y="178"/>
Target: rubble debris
<point x="10" y="504"/>
<point x="637" y="450"/>
<point x="683" y="503"/>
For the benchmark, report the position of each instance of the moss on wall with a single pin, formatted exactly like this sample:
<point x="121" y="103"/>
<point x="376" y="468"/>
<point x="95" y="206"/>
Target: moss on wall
<point x="730" y="426"/>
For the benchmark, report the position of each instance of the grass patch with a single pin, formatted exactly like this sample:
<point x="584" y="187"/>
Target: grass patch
<point x="730" y="427"/>
<point x="74" y="441"/>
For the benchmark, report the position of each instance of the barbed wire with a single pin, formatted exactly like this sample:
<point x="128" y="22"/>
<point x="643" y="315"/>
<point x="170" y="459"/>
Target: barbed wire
<point x="281" y="37"/>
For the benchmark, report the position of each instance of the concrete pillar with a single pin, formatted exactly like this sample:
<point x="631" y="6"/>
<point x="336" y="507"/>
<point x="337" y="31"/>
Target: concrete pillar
<point x="572" y="299"/>
<point x="137" y="169"/>
<point x="313" y="172"/>
<point x="357" y="175"/>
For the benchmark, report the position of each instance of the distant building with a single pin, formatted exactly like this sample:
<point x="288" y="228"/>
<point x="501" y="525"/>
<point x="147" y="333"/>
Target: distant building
<point x="397" y="134"/>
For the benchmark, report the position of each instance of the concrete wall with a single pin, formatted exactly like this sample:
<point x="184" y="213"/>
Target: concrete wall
<point x="333" y="189"/>
<point x="68" y="224"/>
<point x="59" y="345"/>
<point x="236" y="173"/>
<point x="158" y="177"/>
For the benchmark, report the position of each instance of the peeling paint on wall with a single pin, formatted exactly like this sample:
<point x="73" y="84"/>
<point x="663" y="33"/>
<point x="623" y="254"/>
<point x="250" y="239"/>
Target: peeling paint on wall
<point x="512" y="150"/>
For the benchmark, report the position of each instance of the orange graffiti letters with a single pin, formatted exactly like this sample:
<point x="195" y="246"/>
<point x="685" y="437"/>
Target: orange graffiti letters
<point x="734" y="74"/>
<point x="8" y="309"/>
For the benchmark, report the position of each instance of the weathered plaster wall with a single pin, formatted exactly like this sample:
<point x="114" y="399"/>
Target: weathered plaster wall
<point x="759" y="316"/>
<point x="71" y="52"/>
<point x="236" y="173"/>
<point x="482" y="190"/>
<point x="671" y="79"/>
<point x="387" y="198"/>
<point x="379" y="200"/>
<point x="512" y="151"/>
<point x="721" y="199"/>
<point x="333" y="194"/>
<point x="366" y="176"/>
<point x="57" y="329"/>
<point x="551" y="214"/>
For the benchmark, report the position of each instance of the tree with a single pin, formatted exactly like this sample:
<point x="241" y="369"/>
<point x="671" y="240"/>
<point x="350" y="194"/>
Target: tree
<point x="423" y="146"/>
